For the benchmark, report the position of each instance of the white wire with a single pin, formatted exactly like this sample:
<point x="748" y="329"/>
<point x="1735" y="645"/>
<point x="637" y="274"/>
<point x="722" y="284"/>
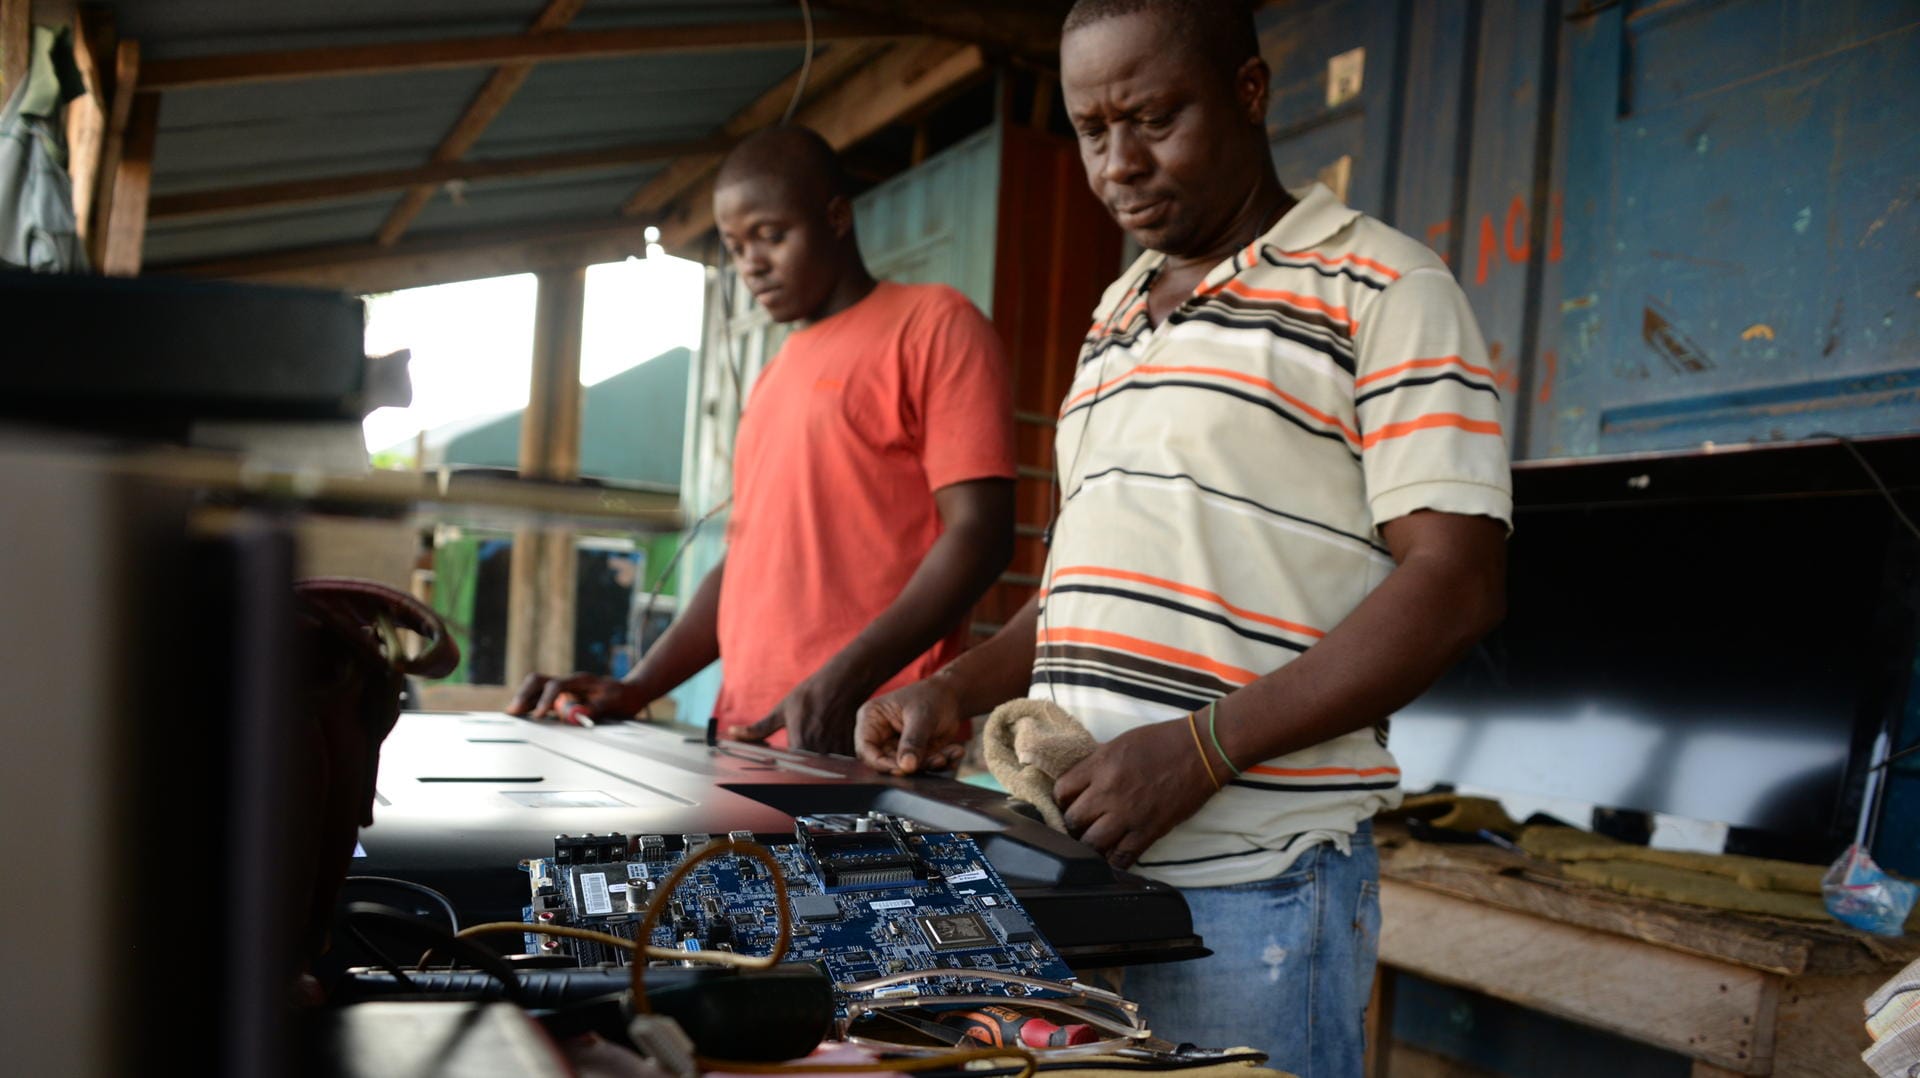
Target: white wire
<point x="806" y="65"/>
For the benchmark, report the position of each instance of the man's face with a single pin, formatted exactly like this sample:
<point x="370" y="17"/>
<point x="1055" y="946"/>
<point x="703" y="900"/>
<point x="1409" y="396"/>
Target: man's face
<point x="1164" y="139"/>
<point x="782" y="242"/>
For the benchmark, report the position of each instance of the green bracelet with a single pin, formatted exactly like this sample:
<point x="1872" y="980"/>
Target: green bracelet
<point x="1212" y="712"/>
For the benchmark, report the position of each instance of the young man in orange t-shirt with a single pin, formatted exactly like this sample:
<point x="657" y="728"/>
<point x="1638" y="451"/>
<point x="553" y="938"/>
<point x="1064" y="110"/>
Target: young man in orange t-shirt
<point x="872" y="483"/>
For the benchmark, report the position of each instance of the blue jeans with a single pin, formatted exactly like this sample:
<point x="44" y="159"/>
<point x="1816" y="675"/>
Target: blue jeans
<point x="1292" y="965"/>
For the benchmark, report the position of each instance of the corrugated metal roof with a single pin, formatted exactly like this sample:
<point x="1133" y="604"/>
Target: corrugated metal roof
<point x="220" y="137"/>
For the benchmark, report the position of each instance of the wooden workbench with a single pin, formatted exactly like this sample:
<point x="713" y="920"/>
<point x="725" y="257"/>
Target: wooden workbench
<point x="1739" y="994"/>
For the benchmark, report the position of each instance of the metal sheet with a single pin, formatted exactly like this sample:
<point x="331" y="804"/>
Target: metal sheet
<point x="1310" y="136"/>
<point x="1739" y="310"/>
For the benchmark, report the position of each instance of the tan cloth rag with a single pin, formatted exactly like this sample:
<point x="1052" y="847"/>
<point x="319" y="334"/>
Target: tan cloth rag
<point x="1028" y="745"/>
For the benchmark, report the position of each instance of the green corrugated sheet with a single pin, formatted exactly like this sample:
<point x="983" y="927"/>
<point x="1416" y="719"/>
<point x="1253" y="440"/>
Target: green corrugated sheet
<point x="456" y="565"/>
<point x="633" y="427"/>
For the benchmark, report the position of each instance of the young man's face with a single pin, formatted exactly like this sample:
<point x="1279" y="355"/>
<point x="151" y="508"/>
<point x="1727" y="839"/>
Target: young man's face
<point x="783" y="242"/>
<point x="1164" y="139"/>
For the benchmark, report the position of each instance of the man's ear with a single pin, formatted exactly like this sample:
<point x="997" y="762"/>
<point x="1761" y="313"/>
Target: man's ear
<point x="1252" y="85"/>
<point x="840" y="216"/>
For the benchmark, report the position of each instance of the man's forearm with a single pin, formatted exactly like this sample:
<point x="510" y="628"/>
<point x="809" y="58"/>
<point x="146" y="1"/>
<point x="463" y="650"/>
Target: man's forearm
<point x="998" y="670"/>
<point x="954" y="574"/>
<point x="1421" y="620"/>
<point x="689" y="645"/>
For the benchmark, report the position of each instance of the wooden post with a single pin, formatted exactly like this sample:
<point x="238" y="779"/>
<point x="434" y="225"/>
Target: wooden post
<point x="87" y="115"/>
<point x="16" y="44"/>
<point x="540" y="597"/>
<point x="126" y="231"/>
<point x="119" y="117"/>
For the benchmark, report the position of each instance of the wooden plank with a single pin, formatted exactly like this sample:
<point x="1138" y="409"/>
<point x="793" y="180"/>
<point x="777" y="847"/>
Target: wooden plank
<point x="903" y="81"/>
<point x="1410" y="1062"/>
<point x="1721" y="1013"/>
<point x="322" y="189"/>
<point x="126" y="83"/>
<point x="93" y="53"/>
<point x="369" y="267"/>
<point x="126" y="230"/>
<point x="1029" y="29"/>
<point x="492" y="50"/>
<point x="16" y="44"/>
<point x="480" y="113"/>
<point x="831" y="66"/>
<point x="1518" y="883"/>
<point x="1379" y="1025"/>
<point x="1821" y="1029"/>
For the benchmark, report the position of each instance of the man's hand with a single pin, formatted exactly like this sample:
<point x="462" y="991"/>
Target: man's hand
<point x="818" y="715"/>
<point x="602" y="697"/>
<point x="919" y="726"/>
<point x="1134" y="789"/>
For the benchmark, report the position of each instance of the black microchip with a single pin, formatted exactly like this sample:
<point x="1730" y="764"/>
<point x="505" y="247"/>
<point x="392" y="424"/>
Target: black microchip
<point x="955" y="931"/>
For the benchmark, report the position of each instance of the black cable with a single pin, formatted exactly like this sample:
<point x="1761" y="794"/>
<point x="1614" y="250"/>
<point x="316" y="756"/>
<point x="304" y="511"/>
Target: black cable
<point x="380" y="956"/>
<point x="453" y="919"/>
<point x="433" y="938"/>
<point x="1886" y="492"/>
<point x="1908" y="751"/>
<point x="1057" y="493"/>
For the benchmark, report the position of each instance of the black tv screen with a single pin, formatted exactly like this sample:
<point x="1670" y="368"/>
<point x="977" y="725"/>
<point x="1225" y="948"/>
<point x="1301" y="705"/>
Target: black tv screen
<point x="1713" y="638"/>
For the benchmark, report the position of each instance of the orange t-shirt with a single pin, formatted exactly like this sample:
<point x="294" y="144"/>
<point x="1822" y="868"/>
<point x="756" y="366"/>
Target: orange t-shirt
<point x="848" y="433"/>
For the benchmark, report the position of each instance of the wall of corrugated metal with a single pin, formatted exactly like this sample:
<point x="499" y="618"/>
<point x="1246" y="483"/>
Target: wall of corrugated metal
<point x="1679" y="221"/>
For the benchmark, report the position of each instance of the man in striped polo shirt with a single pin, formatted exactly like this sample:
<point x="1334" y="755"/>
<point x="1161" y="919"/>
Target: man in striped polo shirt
<point x="1285" y="498"/>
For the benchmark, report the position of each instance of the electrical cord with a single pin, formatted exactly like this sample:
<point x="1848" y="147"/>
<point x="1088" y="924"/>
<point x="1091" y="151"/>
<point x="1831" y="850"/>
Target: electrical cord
<point x="644" y="930"/>
<point x="386" y="961"/>
<point x="1873" y="474"/>
<point x="359" y="915"/>
<point x="806" y="65"/>
<point x="453" y="919"/>
<point x="1056" y="492"/>
<point x="663" y="895"/>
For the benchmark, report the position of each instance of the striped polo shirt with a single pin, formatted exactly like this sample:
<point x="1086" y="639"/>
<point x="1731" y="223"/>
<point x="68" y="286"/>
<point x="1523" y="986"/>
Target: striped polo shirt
<point x="1224" y="478"/>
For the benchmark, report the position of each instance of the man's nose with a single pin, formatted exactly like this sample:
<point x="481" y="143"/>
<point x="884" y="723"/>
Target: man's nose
<point x="753" y="262"/>
<point x="1127" y="158"/>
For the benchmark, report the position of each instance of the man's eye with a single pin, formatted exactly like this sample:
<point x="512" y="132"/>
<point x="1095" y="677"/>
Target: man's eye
<point x="1155" y="122"/>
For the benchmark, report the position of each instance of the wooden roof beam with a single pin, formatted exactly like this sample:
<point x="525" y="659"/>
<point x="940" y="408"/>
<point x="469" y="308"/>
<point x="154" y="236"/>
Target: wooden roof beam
<point x="1028" y="29"/>
<point x="329" y="188"/>
<point x="480" y="113"/>
<point x="437" y="259"/>
<point x="345" y="60"/>
<point x="906" y="80"/>
<point x="831" y="67"/>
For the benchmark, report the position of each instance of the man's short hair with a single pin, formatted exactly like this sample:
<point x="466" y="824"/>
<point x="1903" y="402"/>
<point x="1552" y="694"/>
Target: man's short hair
<point x="1220" y="32"/>
<point x="791" y="153"/>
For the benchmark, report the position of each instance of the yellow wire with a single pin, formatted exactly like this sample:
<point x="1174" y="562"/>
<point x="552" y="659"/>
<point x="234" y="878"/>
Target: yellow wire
<point x="1029" y="1064"/>
<point x="664" y="893"/>
<point x="728" y="958"/>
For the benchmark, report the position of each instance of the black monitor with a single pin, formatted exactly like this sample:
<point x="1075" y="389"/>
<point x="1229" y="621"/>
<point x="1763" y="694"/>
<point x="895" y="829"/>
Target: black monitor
<point x="1715" y="635"/>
